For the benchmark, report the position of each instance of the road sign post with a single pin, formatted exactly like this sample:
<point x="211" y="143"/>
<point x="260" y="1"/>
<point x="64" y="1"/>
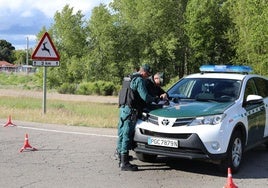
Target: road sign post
<point x="45" y="55"/>
<point x="44" y="90"/>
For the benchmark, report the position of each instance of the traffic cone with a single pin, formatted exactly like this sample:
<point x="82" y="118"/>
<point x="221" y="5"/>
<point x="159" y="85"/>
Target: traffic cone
<point x="9" y="123"/>
<point x="230" y="183"/>
<point x="27" y="145"/>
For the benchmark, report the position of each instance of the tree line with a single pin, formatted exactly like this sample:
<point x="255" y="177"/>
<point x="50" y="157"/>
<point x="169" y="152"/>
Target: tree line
<point x="173" y="36"/>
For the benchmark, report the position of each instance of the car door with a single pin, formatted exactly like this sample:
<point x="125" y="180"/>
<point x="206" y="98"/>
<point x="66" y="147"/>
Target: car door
<point x="262" y="88"/>
<point x="256" y="113"/>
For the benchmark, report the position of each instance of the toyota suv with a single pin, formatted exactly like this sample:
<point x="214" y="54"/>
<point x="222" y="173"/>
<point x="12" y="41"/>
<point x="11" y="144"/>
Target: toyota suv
<point x="216" y="114"/>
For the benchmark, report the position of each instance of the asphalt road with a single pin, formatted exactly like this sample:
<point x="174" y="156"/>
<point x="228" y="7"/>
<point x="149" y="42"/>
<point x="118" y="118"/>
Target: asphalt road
<point x="73" y="157"/>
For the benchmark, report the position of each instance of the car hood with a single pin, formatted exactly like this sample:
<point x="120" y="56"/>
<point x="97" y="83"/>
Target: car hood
<point x="191" y="109"/>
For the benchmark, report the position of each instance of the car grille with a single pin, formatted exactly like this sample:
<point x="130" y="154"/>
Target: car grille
<point x="179" y="121"/>
<point x="164" y="135"/>
<point x="153" y="119"/>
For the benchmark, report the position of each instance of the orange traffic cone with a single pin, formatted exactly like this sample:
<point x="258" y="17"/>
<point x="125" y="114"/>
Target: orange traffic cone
<point x="27" y="145"/>
<point x="230" y="183"/>
<point x="9" y="123"/>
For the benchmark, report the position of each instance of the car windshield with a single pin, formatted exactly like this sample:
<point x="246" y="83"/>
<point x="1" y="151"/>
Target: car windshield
<point x="205" y="89"/>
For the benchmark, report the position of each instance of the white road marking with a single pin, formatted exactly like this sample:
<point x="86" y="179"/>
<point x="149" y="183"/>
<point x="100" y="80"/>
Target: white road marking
<point x="67" y="132"/>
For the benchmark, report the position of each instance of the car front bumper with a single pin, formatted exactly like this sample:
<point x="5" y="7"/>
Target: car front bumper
<point x="190" y="146"/>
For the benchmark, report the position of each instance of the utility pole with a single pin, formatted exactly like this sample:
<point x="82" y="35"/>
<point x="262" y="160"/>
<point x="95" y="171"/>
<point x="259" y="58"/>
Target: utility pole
<point x="27" y="51"/>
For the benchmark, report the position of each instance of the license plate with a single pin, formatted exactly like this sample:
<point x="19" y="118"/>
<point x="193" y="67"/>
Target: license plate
<point x="163" y="142"/>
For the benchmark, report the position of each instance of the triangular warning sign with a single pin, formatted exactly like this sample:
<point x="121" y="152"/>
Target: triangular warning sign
<point x="45" y="50"/>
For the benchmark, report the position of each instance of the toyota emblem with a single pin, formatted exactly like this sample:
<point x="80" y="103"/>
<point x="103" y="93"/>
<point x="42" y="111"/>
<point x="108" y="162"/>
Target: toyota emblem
<point x="165" y="122"/>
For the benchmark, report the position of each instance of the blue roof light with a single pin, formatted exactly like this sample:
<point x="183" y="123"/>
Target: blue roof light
<point x="226" y="68"/>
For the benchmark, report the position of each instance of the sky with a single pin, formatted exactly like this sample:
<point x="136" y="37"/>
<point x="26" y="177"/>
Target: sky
<point x="22" y="20"/>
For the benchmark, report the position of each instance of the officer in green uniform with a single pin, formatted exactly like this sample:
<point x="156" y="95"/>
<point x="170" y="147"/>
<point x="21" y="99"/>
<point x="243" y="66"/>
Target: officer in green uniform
<point x="133" y="99"/>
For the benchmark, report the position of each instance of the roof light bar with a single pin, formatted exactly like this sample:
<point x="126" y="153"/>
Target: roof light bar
<point x="226" y="68"/>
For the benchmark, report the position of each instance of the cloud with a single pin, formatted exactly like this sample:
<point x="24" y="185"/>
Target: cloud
<point x="20" y="19"/>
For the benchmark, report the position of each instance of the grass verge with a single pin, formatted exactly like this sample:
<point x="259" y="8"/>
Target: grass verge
<point x="60" y="112"/>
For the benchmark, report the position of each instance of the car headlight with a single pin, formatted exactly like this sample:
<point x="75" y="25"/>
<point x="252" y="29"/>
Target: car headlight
<point x="208" y="120"/>
<point x="144" y="116"/>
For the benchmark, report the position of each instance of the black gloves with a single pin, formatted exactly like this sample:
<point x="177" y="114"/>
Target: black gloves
<point x="157" y="100"/>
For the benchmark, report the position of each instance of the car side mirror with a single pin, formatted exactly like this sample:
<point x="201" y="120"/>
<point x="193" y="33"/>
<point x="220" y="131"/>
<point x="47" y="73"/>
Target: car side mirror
<point x="254" y="99"/>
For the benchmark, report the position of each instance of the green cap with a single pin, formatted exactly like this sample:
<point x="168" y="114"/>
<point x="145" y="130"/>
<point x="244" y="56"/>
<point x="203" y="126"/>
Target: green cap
<point x="147" y="69"/>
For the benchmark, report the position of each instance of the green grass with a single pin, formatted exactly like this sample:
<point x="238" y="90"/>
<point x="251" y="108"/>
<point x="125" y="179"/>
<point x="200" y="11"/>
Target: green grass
<point x="18" y="80"/>
<point x="57" y="111"/>
<point x="60" y="112"/>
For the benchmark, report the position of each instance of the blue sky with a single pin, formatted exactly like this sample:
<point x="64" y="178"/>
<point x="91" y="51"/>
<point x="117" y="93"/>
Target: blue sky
<point x="23" y="19"/>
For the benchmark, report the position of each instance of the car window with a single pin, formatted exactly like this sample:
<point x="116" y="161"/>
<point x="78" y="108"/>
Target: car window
<point x="183" y="88"/>
<point x="206" y="89"/>
<point x="250" y="88"/>
<point x="262" y="86"/>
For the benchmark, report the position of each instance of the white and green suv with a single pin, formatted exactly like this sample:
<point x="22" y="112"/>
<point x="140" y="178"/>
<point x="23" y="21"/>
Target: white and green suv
<point x="216" y="114"/>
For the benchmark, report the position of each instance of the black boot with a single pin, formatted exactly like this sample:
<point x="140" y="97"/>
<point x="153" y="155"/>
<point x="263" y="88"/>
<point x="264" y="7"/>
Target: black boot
<point x="117" y="156"/>
<point x="125" y="165"/>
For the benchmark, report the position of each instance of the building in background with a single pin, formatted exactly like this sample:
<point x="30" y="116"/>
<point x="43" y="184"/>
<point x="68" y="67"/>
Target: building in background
<point x="8" y="67"/>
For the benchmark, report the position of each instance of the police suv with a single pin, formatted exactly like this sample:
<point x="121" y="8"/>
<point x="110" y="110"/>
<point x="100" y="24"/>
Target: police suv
<point x="216" y="114"/>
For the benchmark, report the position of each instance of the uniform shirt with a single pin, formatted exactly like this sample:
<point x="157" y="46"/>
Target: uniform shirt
<point x="138" y="84"/>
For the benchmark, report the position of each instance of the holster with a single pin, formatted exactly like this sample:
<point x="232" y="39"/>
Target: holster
<point x="132" y="117"/>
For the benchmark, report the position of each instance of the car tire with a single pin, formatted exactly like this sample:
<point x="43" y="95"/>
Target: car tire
<point x="146" y="157"/>
<point x="266" y="145"/>
<point x="234" y="153"/>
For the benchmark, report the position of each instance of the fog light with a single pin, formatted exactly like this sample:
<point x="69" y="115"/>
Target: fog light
<point x="215" y="145"/>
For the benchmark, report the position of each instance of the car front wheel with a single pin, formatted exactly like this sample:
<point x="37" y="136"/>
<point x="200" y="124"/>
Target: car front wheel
<point x="234" y="153"/>
<point x="266" y="144"/>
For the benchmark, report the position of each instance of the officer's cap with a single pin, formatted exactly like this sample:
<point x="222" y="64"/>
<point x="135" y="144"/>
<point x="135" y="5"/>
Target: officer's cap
<point x="147" y="69"/>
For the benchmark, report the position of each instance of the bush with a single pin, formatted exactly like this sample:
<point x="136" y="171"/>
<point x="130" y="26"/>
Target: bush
<point x="117" y="89"/>
<point x="67" y="88"/>
<point x="85" y="88"/>
<point x="98" y="88"/>
<point x="105" y="88"/>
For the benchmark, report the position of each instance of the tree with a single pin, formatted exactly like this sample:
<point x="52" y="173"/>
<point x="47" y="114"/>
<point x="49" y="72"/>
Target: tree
<point x="101" y="44"/>
<point x="69" y="36"/>
<point x="6" y="50"/>
<point x="249" y="33"/>
<point x="206" y="26"/>
<point x="156" y="32"/>
<point x="20" y="56"/>
<point x="69" y="33"/>
<point x="175" y="37"/>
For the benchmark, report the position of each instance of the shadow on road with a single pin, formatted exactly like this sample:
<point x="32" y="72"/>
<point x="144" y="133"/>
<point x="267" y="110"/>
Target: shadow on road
<point x="255" y="165"/>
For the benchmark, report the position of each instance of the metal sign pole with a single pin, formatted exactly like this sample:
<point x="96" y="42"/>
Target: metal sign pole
<point x="45" y="54"/>
<point x="44" y="89"/>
